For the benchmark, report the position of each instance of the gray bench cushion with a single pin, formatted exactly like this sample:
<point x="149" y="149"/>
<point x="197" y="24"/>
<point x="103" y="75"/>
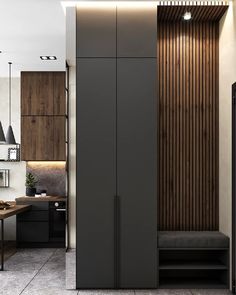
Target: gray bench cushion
<point x="192" y="239"/>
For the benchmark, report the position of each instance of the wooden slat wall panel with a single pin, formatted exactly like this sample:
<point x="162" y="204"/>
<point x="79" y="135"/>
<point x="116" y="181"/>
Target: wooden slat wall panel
<point x="199" y="12"/>
<point x="188" y="125"/>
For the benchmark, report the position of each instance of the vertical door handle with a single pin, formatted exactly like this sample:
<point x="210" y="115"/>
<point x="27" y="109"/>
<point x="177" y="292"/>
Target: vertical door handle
<point x="116" y="241"/>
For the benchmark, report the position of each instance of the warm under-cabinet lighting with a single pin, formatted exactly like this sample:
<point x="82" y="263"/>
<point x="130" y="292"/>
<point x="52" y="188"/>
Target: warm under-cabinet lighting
<point x="38" y="164"/>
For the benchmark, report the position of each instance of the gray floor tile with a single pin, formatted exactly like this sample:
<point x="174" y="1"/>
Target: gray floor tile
<point x="48" y="291"/>
<point x="163" y="292"/>
<point x="13" y="282"/>
<point x="71" y="269"/>
<point x="106" y="292"/>
<point x="58" y="256"/>
<point x="210" y="292"/>
<point x="50" y="279"/>
<point x="28" y="259"/>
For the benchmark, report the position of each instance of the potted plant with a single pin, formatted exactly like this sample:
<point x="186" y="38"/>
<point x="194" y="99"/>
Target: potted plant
<point x="30" y="183"/>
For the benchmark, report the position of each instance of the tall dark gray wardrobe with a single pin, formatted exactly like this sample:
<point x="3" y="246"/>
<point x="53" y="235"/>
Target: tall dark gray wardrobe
<point x="116" y="147"/>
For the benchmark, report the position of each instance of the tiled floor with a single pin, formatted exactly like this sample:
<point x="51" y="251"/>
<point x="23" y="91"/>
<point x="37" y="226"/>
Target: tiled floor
<point x="42" y="272"/>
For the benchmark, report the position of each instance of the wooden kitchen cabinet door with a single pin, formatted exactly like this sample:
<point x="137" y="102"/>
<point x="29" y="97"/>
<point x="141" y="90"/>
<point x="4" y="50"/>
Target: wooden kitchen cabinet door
<point x="42" y="139"/>
<point x="59" y="139"/>
<point x="43" y="93"/>
<point x="59" y="93"/>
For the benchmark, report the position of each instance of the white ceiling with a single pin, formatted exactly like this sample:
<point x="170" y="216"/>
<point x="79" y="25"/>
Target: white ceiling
<point x="28" y="29"/>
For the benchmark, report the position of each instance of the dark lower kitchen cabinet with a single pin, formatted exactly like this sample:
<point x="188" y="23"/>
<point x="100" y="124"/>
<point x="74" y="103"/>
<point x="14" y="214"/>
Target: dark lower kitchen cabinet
<point x="32" y="232"/>
<point x="43" y="226"/>
<point x="43" y="138"/>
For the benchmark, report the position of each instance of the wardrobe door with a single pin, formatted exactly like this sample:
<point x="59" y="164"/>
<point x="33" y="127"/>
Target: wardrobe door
<point x="137" y="31"/>
<point x="96" y="183"/>
<point x="137" y="172"/>
<point x="96" y="31"/>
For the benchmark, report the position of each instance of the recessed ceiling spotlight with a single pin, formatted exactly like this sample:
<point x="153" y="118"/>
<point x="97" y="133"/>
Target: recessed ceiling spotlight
<point x="48" y="57"/>
<point x="52" y="57"/>
<point x="187" y="15"/>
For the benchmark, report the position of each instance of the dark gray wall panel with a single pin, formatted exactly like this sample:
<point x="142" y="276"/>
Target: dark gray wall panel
<point x="96" y="183"/>
<point x="136" y="31"/>
<point x="96" y="32"/>
<point x="137" y="171"/>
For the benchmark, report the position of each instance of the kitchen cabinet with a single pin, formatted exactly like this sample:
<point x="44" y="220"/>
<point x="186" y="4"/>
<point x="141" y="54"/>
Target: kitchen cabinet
<point x="43" y="116"/>
<point x="43" y="138"/>
<point x="32" y="232"/>
<point x="33" y="227"/>
<point x="43" y="93"/>
<point x="40" y="226"/>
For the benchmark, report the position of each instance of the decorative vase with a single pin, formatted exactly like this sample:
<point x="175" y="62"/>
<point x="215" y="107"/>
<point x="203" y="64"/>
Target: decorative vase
<point x="30" y="191"/>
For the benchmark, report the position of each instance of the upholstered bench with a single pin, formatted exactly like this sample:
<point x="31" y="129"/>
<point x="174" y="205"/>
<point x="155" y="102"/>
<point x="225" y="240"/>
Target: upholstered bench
<point x="192" y="239"/>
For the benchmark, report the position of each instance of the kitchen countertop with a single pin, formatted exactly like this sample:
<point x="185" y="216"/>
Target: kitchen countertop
<point x="41" y="199"/>
<point x="16" y="209"/>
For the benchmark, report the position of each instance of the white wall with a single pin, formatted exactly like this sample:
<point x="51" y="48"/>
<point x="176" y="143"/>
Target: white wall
<point x="71" y="60"/>
<point x="227" y="76"/>
<point x="72" y="196"/>
<point x="17" y="170"/>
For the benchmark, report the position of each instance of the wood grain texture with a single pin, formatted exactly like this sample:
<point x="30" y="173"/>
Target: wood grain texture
<point x="43" y="138"/>
<point x="14" y="211"/>
<point x="188" y="125"/>
<point x="59" y="93"/>
<point x="43" y="93"/>
<point x="199" y="12"/>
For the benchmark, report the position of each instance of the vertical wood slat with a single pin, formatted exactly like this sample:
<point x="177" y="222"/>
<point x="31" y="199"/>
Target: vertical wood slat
<point x="188" y="125"/>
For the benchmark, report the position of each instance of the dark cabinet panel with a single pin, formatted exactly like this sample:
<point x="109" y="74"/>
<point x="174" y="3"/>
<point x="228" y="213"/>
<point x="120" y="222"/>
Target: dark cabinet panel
<point x="96" y="32"/>
<point x="33" y="231"/>
<point x="35" y="206"/>
<point x="43" y="93"/>
<point x="96" y="182"/>
<point x="136" y="31"/>
<point x="34" y="216"/>
<point x="43" y="138"/>
<point x="137" y="171"/>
